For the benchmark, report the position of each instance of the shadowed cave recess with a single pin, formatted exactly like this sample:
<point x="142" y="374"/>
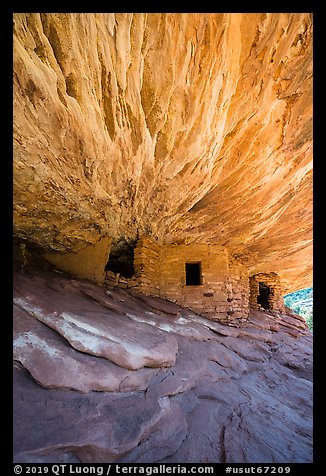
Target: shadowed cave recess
<point x="263" y="296"/>
<point x="121" y="259"/>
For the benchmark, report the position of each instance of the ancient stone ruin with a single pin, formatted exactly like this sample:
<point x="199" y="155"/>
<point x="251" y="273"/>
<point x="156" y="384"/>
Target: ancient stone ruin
<point x="201" y="277"/>
<point x="266" y="292"/>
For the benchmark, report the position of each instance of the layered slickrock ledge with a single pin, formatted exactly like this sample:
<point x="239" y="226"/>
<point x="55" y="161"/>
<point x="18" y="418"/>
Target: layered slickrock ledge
<point x="144" y="380"/>
<point x="162" y="156"/>
<point x="188" y="128"/>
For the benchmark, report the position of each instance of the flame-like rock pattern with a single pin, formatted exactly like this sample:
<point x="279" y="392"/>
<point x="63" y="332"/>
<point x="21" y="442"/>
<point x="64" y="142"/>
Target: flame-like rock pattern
<point x="185" y="127"/>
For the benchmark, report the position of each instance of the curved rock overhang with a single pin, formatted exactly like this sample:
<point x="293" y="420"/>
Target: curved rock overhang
<point x="184" y="127"/>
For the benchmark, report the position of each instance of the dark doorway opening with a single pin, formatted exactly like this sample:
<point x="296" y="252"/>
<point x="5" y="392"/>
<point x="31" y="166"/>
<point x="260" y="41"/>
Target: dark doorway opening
<point x="121" y="259"/>
<point x="193" y="274"/>
<point x="263" y="296"/>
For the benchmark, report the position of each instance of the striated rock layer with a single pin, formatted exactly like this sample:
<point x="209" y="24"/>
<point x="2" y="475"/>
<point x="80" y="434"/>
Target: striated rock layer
<point x="184" y="127"/>
<point x="225" y="395"/>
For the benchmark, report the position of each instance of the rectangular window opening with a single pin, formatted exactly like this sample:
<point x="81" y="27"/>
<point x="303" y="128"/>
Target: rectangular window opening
<point x="193" y="274"/>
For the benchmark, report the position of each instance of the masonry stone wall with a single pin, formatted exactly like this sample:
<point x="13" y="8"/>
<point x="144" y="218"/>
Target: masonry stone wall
<point x="275" y="298"/>
<point x="208" y="298"/>
<point x="147" y="266"/>
<point x="238" y="289"/>
<point x="224" y="290"/>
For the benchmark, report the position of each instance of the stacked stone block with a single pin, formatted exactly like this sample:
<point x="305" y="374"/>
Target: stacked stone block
<point x="223" y="294"/>
<point x="147" y="266"/>
<point x="239" y="292"/>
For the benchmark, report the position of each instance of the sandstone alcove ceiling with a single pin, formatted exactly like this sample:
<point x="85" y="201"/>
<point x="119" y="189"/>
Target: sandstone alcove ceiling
<point x="189" y="127"/>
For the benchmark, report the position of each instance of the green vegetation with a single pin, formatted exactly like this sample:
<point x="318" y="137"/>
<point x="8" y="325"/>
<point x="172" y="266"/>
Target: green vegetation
<point x="301" y="303"/>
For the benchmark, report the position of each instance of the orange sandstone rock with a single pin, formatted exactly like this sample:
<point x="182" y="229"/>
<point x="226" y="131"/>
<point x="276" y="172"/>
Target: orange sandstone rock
<point x="185" y="127"/>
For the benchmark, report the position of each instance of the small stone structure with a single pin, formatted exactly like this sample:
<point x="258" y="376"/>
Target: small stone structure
<point x="204" y="278"/>
<point x="201" y="277"/>
<point x="266" y="292"/>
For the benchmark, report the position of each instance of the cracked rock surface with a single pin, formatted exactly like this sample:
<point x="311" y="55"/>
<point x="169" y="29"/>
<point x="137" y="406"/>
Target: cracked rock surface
<point x="200" y="392"/>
